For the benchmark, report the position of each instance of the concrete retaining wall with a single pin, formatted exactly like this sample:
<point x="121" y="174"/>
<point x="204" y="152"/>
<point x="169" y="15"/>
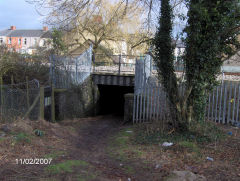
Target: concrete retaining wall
<point x="79" y="101"/>
<point x="128" y="107"/>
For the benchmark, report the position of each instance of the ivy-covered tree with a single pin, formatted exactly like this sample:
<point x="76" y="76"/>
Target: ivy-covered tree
<point x="163" y="55"/>
<point x="212" y="36"/>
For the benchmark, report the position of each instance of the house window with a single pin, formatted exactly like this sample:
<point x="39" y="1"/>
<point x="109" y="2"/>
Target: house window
<point x="35" y="41"/>
<point x="1" y="40"/>
<point x="10" y="41"/>
<point x="19" y="41"/>
<point x="25" y="41"/>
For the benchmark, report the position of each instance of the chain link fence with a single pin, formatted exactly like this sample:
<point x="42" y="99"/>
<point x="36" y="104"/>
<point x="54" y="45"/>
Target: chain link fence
<point x="19" y="101"/>
<point x="66" y="72"/>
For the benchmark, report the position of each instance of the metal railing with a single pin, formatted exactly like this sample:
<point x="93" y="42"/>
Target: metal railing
<point x="117" y="64"/>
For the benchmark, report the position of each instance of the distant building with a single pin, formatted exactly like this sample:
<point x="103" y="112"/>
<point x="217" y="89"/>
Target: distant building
<point x="178" y="51"/>
<point x="25" y="41"/>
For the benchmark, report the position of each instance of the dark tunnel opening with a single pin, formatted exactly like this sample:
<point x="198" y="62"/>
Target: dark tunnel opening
<point x="112" y="99"/>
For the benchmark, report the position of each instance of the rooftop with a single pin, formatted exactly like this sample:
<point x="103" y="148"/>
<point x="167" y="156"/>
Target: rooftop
<point x="13" y="32"/>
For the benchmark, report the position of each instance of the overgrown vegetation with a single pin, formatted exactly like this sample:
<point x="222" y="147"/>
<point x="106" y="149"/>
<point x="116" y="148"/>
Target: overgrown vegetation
<point x="141" y="144"/>
<point x="190" y="150"/>
<point x="201" y="133"/>
<point x="132" y="141"/>
<point x="211" y="37"/>
<point x="22" y="137"/>
<point x="16" y="67"/>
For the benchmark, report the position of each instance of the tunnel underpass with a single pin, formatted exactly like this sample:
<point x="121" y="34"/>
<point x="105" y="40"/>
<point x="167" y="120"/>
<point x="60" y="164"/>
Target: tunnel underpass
<point x="112" y="99"/>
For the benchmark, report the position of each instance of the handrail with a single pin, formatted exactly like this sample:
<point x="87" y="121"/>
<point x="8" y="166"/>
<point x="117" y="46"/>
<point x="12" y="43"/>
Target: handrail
<point x="119" y="64"/>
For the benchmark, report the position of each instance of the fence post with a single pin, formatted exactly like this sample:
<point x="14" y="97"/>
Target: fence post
<point x="52" y="104"/>
<point x="1" y="87"/>
<point x="52" y="69"/>
<point x="28" y="102"/>
<point x="151" y="66"/>
<point x="12" y="91"/>
<point x="42" y="103"/>
<point x="92" y="59"/>
<point x="76" y="64"/>
<point x="119" y="65"/>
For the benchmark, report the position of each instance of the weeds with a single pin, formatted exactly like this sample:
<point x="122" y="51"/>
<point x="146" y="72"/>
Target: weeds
<point x="122" y="138"/>
<point x="22" y="137"/>
<point x="55" y="154"/>
<point x="120" y="143"/>
<point x="129" y="169"/>
<point x="189" y="145"/>
<point x="86" y="177"/>
<point x="65" y="167"/>
<point x="201" y="133"/>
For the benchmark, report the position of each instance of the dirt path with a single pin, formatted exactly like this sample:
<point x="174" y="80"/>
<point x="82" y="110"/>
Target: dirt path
<point x="81" y="150"/>
<point x="93" y="142"/>
<point x="92" y="147"/>
<point x="102" y="149"/>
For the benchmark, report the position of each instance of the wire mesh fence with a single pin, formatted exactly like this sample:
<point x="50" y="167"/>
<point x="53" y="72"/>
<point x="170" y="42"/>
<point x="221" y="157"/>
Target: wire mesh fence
<point x="18" y="103"/>
<point x="68" y="71"/>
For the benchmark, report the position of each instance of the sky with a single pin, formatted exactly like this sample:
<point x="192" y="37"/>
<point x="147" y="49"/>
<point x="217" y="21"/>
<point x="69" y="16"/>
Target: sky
<point x="23" y="15"/>
<point x="20" y="14"/>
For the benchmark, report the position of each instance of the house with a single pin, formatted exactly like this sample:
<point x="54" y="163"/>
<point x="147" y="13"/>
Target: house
<point x="178" y="51"/>
<point x="25" y="41"/>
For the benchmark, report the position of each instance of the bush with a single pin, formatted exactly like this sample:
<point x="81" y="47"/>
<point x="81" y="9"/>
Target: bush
<point x="20" y="66"/>
<point x="200" y="133"/>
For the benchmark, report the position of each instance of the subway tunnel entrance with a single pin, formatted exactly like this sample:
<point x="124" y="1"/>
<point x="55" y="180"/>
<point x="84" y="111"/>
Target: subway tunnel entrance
<point x="112" y="99"/>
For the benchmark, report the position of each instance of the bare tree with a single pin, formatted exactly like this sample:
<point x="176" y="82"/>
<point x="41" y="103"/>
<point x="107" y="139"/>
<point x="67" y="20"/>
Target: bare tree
<point x="98" y="21"/>
<point x="103" y="22"/>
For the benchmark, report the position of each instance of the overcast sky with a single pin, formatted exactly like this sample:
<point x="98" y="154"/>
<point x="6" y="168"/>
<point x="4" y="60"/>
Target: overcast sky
<point x="20" y="14"/>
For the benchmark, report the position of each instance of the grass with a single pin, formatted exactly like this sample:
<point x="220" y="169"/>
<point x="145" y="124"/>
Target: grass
<point x="55" y="154"/>
<point x="136" y="142"/>
<point x="202" y="133"/>
<point x="129" y="169"/>
<point x="192" y="141"/>
<point x="122" y="148"/>
<point x="122" y="137"/>
<point x="189" y="145"/>
<point x="65" y="167"/>
<point x="120" y="143"/>
<point x="86" y="177"/>
<point x="22" y="137"/>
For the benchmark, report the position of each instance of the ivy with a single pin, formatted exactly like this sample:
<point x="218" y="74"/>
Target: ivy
<point x="212" y="36"/>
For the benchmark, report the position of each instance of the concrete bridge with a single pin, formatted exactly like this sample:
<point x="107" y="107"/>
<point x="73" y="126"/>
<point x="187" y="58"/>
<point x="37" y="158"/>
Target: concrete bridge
<point x="113" y="79"/>
<point x="120" y="72"/>
<point x="113" y="82"/>
<point x="92" y="87"/>
<point x="117" y="70"/>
